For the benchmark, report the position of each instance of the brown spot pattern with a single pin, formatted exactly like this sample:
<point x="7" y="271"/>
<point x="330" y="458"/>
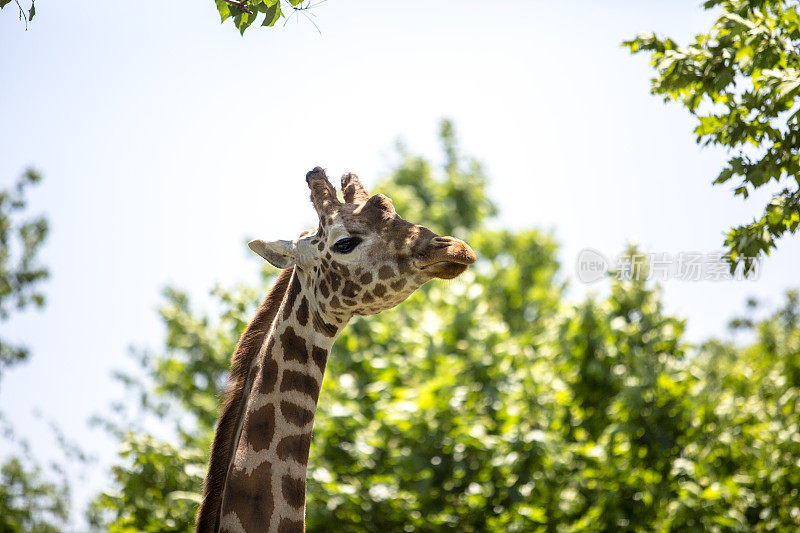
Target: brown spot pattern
<point x="379" y="290"/>
<point x="397" y="284"/>
<point x="335" y="281"/>
<point x="385" y="272"/>
<point x="291" y="526"/>
<point x="404" y="264"/>
<point x="329" y="330"/>
<point x="296" y="447"/>
<point x="259" y="427"/>
<point x="366" y="278"/>
<point x="320" y="357"/>
<point x="294" y="346"/>
<point x="294" y="491"/>
<point x="297" y="381"/>
<point x="253" y="505"/>
<point x="269" y="376"/>
<point x="297" y="415"/>
<point x="323" y="288"/>
<point x="302" y="311"/>
<point x="291" y="296"/>
<point x="350" y="289"/>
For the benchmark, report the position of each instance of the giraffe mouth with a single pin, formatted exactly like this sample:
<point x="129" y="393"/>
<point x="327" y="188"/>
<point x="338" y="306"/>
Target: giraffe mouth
<point x="445" y="269"/>
<point x="448" y="258"/>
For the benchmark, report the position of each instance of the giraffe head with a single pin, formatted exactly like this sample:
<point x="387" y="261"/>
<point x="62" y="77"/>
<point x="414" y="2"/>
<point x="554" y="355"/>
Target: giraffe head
<point x="363" y="257"/>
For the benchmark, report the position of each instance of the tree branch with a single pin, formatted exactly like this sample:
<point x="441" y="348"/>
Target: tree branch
<point x="22" y="15"/>
<point x="241" y="5"/>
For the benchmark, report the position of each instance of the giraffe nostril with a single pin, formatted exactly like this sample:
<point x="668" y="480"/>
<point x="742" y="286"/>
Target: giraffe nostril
<point x="442" y="241"/>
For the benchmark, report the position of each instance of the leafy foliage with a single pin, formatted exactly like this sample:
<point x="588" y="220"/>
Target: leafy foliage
<point x="20" y="274"/>
<point x="150" y="496"/>
<point x="245" y="12"/>
<point x="23" y="15"/>
<point x="29" y="503"/>
<point x="742" y="82"/>
<point x="490" y="404"/>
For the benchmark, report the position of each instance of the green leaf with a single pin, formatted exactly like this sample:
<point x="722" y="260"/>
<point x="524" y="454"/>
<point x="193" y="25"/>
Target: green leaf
<point x="738" y="19"/>
<point x="272" y="14"/>
<point x="788" y="88"/>
<point x="3" y="3"/>
<point x="32" y="11"/>
<point x="224" y="9"/>
<point x="244" y="20"/>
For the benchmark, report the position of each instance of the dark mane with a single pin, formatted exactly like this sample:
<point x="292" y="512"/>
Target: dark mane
<point x="225" y="436"/>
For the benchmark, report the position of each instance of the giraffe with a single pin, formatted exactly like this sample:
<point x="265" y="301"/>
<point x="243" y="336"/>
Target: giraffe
<point x="362" y="258"/>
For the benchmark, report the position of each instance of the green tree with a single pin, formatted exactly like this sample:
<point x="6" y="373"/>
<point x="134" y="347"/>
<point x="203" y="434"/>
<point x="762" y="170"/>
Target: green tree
<point x="490" y="403"/>
<point x="28" y="502"/>
<point x="20" y="274"/>
<point x="741" y="80"/>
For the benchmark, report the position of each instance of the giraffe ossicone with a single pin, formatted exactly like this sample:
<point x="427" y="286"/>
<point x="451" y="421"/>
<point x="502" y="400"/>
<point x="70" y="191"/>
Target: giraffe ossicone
<point x="361" y="259"/>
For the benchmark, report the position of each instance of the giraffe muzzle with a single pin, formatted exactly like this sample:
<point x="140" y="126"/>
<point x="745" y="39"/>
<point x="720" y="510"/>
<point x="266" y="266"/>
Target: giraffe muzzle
<point x="447" y="257"/>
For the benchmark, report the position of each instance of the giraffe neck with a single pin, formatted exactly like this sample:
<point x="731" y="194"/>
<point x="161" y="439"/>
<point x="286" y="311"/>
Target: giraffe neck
<point x="265" y="487"/>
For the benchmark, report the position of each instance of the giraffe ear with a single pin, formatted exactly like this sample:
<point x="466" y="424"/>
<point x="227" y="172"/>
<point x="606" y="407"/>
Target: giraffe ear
<point x="382" y="202"/>
<point x="280" y="254"/>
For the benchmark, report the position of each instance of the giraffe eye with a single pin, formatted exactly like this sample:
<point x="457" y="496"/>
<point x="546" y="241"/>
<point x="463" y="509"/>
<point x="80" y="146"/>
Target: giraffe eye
<point x="346" y="245"/>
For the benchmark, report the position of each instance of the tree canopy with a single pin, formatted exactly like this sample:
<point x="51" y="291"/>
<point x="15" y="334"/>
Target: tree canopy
<point x="29" y="501"/>
<point x="741" y="80"/>
<point x="20" y="274"/>
<point x="491" y="403"/>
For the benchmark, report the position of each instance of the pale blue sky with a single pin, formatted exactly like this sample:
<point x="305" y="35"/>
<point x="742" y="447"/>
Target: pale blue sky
<point x="166" y="139"/>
